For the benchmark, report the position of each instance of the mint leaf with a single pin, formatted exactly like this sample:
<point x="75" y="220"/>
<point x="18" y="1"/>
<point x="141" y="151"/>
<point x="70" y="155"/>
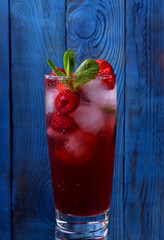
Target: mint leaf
<point x="56" y="71"/>
<point x="69" y="62"/>
<point x="87" y="71"/>
<point x="109" y="110"/>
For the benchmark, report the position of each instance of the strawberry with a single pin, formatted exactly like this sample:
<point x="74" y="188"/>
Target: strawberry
<point x="103" y="65"/>
<point x="62" y="123"/>
<point x="107" y="69"/>
<point x="67" y="101"/>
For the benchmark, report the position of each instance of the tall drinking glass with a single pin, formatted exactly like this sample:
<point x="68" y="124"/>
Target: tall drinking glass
<point x="81" y="149"/>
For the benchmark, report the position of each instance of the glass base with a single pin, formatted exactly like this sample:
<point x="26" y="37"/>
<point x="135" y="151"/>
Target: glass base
<point x="75" y="227"/>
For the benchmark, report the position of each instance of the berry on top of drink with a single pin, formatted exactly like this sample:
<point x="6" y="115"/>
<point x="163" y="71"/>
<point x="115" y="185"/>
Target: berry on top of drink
<point x="67" y="101"/>
<point x="104" y="65"/>
<point x="107" y="71"/>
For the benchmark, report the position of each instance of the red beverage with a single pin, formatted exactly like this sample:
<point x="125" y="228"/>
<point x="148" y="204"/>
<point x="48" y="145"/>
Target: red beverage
<point x="81" y="131"/>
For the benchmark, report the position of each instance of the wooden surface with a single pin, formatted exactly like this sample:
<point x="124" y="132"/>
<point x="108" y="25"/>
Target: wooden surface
<point x="5" y="166"/>
<point x="130" y="35"/>
<point x="144" y="121"/>
<point x="37" y="34"/>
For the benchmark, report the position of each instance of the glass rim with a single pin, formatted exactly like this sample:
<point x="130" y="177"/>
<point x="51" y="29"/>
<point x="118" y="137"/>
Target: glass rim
<point x="53" y="77"/>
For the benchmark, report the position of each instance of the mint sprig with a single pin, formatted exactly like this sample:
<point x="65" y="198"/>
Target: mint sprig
<point x="87" y="71"/>
<point x="69" y="62"/>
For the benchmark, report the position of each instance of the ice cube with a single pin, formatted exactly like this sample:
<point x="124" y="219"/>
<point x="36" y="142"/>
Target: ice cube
<point x="106" y="98"/>
<point x="80" y="145"/>
<point x="50" y="96"/>
<point x="89" y="118"/>
<point x="76" y="144"/>
<point x="111" y="98"/>
<point x="90" y="89"/>
<point x="98" y="94"/>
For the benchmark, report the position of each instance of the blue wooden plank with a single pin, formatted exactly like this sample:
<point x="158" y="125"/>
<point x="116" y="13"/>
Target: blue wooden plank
<point x="37" y="33"/>
<point x="5" y="216"/>
<point x="95" y="29"/>
<point x="144" y="118"/>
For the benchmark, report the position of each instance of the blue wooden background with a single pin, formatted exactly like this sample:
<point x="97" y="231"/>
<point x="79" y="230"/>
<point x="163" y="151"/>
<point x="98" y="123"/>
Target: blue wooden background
<point x="128" y="33"/>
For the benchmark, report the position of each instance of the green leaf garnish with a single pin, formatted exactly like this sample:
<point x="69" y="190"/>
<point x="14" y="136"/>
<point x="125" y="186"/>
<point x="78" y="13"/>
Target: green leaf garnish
<point x="56" y="71"/>
<point x="69" y="62"/>
<point x="87" y="71"/>
<point x="109" y="110"/>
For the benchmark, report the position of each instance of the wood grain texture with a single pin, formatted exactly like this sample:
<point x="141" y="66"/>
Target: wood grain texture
<point x="5" y="195"/>
<point x="95" y="29"/>
<point x="144" y="119"/>
<point x="37" y="33"/>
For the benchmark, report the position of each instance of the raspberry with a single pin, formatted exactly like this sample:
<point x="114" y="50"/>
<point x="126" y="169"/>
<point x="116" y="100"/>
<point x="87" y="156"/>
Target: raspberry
<point x="67" y="101"/>
<point x="62" y="123"/>
<point x="107" y="69"/>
